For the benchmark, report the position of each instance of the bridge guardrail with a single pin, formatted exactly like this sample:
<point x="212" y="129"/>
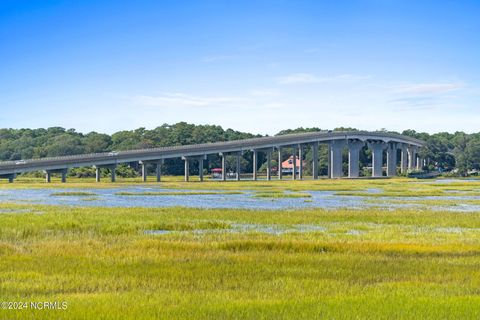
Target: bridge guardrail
<point x="245" y="144"/>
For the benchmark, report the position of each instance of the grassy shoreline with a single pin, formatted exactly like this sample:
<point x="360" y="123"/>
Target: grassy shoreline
<point x="398" y="184"/>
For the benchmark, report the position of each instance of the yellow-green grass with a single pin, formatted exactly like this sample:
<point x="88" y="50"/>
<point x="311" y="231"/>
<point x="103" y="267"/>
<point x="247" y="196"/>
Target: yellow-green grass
<point x="400" y="264"/>
<point x="407" y="193"/>
<point x="176" y="182"/>
<point x="282" y="195"/>
<point x="427" y="202"/>
<point x="73" y="194"/>
<point x="186" y="193"/>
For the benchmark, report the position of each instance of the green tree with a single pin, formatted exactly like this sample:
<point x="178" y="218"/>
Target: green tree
<point x="97" y="142"/>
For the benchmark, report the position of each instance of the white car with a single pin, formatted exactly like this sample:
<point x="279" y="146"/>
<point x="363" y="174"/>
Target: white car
<point x="113" y="153"/>
<point x="20" y="162"/>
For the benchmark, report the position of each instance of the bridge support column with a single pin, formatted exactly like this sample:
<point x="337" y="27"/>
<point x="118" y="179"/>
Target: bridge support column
<point x="200" y="167"/>
<point x="238" y="165"/>
<point x="336" y="166"/>
<point x="113" y="174"/>
<point x="392" y="159"/>
<point x="48" y="176"/>
<point x="279" y="166"/>
<point x="112" y="170"/>
<point x="404" y="158"/>
<point x="255" y="160"/>
<point x="224" y="166"/>
<point x="144" y="172"/>
<point x="419" y="163"/>
<point x="377" y="158"/>
<point x="186" y="168"/>
<point x="10" y="177"/>
<point x="269" y="165"/>
<point x="158" y="168"/>
<point x="354" y="147"/>
<point x="329" y="161"/>
<point x="315" y="160"/>
<point x="300" y="159"/>
<point x="64" y="175"/>
<point x="412" y="155"/>
<point x="294" y="163"/>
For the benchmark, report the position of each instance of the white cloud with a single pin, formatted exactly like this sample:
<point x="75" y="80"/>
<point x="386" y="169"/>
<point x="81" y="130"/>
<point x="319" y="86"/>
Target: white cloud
<point x="427" y="88"/>
<point x="182" y="100"/>
<point x="416" y="103"/>
<point x="274" y="105"/>
<point x="269" y="108"/>
<point x="349" y="77"/>
<point x="296" y="78"/>
<point x="423" y="96"/>
<point x="264" y="92"/>
<point x="191" y="104"/>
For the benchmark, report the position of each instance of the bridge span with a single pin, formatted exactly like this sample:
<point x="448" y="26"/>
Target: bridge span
<point x="354" y="141"/>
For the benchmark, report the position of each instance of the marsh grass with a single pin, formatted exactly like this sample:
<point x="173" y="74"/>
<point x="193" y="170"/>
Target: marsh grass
<point x="281" y="195"/>
<point x="395" y="186"/>
<point x="186" y="193"/>
<point x="407" y="193"/>
<point x="402" y="264"/>
<point x="428" y="202"/>
<point x="73" y="194"/>
<point x="90" y="199"/>
<point x="368" y="264"/>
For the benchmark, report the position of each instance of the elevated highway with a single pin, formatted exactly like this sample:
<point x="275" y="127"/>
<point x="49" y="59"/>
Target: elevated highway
<point x="336" y="141"/>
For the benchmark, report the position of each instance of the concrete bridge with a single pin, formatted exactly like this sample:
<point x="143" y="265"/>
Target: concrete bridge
<point x="354" y="141"/>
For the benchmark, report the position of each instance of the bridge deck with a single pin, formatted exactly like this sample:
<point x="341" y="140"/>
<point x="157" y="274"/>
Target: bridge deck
<point x="110" y="158"/>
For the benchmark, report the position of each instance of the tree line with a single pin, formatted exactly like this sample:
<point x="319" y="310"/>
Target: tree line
<point x="452" y="152"/>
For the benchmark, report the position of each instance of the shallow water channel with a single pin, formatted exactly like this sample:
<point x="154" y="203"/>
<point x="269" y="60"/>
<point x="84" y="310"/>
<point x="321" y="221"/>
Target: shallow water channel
<point x="216" y="199"/>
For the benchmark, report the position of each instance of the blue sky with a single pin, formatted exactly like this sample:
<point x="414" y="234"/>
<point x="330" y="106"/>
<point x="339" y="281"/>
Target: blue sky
<point x="257" y="66"/>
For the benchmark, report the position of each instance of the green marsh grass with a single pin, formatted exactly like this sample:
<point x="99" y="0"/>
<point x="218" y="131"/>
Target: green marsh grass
<point x="427" y="202"/>
<point x="402" y="264"/>
<point x="407" y="193"/>
<point x="73" y="194"/>
<point x="371" y="263"/>
<point x="395" y="185"/>
<point x="282" y="195"/>
<point x="186" y="193"/>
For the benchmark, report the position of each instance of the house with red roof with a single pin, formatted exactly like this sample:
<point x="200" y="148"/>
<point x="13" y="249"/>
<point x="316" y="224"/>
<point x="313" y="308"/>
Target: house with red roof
<point x="287" y="165"/>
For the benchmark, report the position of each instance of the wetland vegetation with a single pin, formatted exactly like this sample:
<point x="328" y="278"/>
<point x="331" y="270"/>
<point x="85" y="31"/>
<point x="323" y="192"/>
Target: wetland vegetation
<point x="184" y="193"/>
<point x="72" y="194"/>
<point x="299" y="263"/>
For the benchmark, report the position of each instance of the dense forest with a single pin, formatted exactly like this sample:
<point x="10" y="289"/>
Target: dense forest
<point x="450" y="152"/>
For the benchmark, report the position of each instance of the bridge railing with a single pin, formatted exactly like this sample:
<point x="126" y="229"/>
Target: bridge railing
<point x="282" y="140"/>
